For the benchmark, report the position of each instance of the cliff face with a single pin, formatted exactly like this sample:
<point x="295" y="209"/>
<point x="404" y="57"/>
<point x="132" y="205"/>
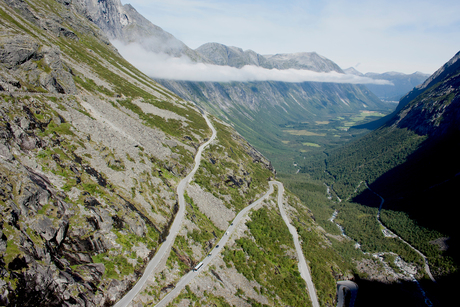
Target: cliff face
<point x="124" y="23"/>
<point x="433" y="107"/>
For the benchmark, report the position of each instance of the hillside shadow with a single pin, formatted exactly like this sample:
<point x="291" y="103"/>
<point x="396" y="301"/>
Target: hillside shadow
<point x="402" y="294"/>
<point x="373" y="124"/>
<point x="425" y="187"/>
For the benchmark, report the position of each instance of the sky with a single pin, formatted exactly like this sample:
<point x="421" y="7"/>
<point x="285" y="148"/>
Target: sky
<point x="371" y="36"/>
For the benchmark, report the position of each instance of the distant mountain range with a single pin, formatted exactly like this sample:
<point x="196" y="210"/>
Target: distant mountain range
<point x="402" y="83"/>
<point x="241" y="103"/>
<point x="219" y="54"/>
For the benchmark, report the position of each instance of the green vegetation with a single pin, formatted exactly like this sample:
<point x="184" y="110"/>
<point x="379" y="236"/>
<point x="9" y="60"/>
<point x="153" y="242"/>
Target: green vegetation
<point x="313" y="193"/>
<point x="365" y="159"/>
<point x="227" y="169"/>
<point x="421" y="238"/>
<point x="265" y="260"/>
<point x="90" y="86"/>
<point x="116" y="267"/>
<point x="129" y="240"/>
<point x="328" y="259"/>
<point x="361" y="224"/>
<point x="206" y="229"/>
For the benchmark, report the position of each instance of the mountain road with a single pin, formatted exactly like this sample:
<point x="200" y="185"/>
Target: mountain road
<point x="163" y="251"/>
<point x="303" y="267"/>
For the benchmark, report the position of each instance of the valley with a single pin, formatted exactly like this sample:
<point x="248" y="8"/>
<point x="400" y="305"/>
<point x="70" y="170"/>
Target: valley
<point x="119" y="188"/>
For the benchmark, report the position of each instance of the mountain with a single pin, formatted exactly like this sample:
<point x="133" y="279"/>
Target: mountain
<point x="304" y="60"/>
<point x="240" y="103"/>
<point x="401" y="83"/>
<point x="124" y="23"/>
<point x="92" y="152"/>
<point x="411" y="162"/>
<point x="220" y="54"/>
<point x="352" y="71"/>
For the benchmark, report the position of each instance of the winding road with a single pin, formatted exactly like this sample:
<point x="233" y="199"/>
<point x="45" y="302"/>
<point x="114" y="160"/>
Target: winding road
<point x="303" y="267"/>
<point x="163" y="251"/>
<point x="165" y="248"/>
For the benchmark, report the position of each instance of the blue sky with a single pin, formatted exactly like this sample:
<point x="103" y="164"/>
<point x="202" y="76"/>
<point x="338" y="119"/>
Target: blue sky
<point x="372" y="36"/>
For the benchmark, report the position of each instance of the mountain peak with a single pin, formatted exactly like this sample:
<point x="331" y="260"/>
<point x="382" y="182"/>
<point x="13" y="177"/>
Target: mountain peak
<point x="352" y="71"/>
<point x="303" y="60"/>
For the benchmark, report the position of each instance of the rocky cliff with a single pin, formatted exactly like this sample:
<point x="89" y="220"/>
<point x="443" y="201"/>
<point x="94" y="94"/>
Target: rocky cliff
<point x="432" y="107"/>
<point x="124" y="23"/>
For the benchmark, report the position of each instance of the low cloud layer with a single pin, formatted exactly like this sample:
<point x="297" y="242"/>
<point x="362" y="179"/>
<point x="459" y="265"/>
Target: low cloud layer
<point x="163" y="66"/>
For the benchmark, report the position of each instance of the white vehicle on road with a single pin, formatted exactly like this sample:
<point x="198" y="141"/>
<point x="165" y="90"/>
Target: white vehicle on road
<point x="198" y="266"/>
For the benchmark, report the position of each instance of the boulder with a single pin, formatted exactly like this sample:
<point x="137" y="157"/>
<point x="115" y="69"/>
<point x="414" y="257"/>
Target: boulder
<point x="15" y="50"/>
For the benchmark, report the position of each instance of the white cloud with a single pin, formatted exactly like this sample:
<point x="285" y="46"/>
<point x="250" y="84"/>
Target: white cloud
<point x="163" y="66"/>
<point x="383" y="35"/>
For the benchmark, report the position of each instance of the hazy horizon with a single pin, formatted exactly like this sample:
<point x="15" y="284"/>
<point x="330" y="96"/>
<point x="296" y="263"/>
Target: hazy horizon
<point x="370" y="36"/>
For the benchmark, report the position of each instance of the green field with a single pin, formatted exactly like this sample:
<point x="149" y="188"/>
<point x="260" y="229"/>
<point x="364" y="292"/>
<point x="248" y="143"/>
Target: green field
<point x="297" y="142"/>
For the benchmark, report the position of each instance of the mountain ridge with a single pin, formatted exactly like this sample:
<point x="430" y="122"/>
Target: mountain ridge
<point x="401" y="83"/>
<point x="223" y="55"/>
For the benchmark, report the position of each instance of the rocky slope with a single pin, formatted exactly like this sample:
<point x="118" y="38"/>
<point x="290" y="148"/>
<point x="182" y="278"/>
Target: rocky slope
<point x="124" y="23"/>
<point x="90" y="153"/>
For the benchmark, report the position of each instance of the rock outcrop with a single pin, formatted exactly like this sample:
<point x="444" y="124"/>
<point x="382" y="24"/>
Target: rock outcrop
<point x="124" y="23"/>
<point x="31" y="66"/>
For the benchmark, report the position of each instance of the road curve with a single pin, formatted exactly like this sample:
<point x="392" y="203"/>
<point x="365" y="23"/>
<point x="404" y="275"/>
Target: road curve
<point x="165" y="247"/>
<point x="303" y="267"/>
<point x="187" y="278"/>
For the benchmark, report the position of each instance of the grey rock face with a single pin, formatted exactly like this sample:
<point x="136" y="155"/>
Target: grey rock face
<point x="219" y="54"/>
<point x="304" y="60"/>
<point x="435" y="108"/>
<point x="124" y="23"/>
<point x="19" y="54"/>
<point x="17" y="50"/>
